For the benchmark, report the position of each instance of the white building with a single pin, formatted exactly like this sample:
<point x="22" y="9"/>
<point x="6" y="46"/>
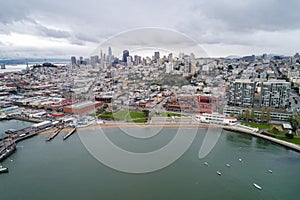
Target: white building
<point x="215" y="118"/>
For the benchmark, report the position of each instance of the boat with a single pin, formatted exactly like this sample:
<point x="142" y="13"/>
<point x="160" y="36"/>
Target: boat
<point x="7" y="151"/>
<point x="240" y="160"/>
<point x="228" y="165"/>
<point x="257" y="186"/>
<point x="270" y="171"/>
<point x="219" y="173"/>
<point x="205" y="163"/>
<point x="3" y="169"/>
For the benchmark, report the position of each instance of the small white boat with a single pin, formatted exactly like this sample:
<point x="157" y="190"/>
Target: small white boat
<point x="270" y="171"/>
<point x="228" y="165"/>
<point x="205" y="163"/>
<point x="3" y="169"/>
<point x="240" y="160"/>
<point x="257" y="186"/>
<point x="219" y="173"/>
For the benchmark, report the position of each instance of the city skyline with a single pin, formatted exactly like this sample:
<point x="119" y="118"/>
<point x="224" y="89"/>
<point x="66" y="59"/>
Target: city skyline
<point x="43" y="29"/>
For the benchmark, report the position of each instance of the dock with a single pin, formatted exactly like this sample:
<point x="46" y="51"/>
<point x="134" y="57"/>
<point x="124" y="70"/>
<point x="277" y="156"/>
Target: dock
<point x="69" y="134"/>
<point x="53" y="135"/>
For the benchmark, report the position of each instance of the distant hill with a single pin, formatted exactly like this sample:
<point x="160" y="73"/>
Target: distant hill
<point x="32" y="60"/>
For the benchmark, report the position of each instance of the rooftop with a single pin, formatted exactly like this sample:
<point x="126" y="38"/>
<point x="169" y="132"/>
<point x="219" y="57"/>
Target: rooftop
<point x="81" y="105"/>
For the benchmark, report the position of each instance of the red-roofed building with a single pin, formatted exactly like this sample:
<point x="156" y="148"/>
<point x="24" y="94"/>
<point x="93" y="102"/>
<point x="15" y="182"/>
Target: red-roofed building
<point x="206" y="103"/>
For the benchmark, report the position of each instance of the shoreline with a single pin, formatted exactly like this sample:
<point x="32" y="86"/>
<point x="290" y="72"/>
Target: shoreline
<point x="283" y="143"/>
<point x="134" y="125"/>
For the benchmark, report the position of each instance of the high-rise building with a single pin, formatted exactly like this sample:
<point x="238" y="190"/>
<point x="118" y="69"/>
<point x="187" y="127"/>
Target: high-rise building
<point x="137" y="60"/>
<point x="192" y="56"/>
<point x="156" y="56"/>
<point x="241" y="93"/>
<point x="94" y="60"/>
<point x="275" y="94"/>
<point x="73" y="60"/>
<point x="169" y="67"/>
<point x="109" y="51"/>
<point x="125" y="55"/>
<point x="110" y="56"/>
<point x="129" y="61"/>
<point x="187" y="65"/>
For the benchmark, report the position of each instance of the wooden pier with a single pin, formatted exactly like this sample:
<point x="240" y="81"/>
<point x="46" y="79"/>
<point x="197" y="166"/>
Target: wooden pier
<point x="53" y="135"/>
<point x="69" y="134"/>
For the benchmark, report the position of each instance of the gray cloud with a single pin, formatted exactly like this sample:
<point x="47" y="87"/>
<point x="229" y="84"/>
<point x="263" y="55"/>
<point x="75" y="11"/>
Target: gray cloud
<point x="53" y="32"/>
<point x="269" y="15"/>
<point x="249" y="24"/>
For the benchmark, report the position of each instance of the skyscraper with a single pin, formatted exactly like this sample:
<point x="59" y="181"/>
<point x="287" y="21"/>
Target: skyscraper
<point x="110" y="56"/>
<point x="156" y="56"/>
<point x="125" y="55"/>
<point x="137" y="60"/>
<point x="129" y="61"/>
<point x="73" y="60"/>
<point x="109" y="51"/>
<point x="187" y="65"/>
<point x="94" y="60"/>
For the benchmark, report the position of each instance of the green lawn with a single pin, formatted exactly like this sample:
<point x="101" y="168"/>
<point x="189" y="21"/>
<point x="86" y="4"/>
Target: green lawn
<point x="170" y="114"/>
<point x="125" y="115"/>
<point x="277" y="132"/>
<point x="120" y="115"/>
<point x="134" y="115"/>
<point x="294" y="140"/>
<point x="257" y="125"/>
<point x="106" y="115"/>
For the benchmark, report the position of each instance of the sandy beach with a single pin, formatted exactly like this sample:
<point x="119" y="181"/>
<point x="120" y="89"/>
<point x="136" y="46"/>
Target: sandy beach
<point x="133" y="125"/>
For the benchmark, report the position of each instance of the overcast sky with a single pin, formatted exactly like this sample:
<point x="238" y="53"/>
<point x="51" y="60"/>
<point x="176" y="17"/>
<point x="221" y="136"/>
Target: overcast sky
<point x="61" y="28"/>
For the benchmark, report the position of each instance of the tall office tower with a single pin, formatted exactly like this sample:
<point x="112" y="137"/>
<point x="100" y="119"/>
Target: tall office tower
<point x="193" y="66"/>
<point x="192" y="56"/>
<point x="241" y="93"/>
<point x="156" y="56"/>
<point x="94" y="60"/>
<point x="169" y="67"/>
<point x="129" y="61"/>
<point x="109" y="51"/>
<point x="110" y="56"/>
<point x="73" y="60"/>
<point x="137" y="60"/>
<point x="125" y="55"/>
<point x="187" y="65"/>
<point x="101" y="54"/>
<point x="275" y="94"/>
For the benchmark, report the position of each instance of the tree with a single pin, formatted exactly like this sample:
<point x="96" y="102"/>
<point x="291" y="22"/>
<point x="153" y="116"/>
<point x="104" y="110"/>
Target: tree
<point x="252" y="114"/>
<point x="262" y="115"/>
<point x="295" y="122"/>
<point x="246" y="115"/>
<point x="289" y="135"/>
<point x="268" y="114"/>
